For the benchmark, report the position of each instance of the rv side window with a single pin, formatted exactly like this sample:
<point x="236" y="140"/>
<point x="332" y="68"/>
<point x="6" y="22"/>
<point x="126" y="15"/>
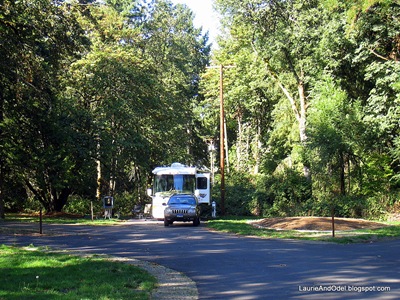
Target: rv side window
<point x="201" y="183"/>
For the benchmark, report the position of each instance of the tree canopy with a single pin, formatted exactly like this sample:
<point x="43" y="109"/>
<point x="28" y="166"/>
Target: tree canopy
<point x="94" y="94"/>
<point x="317" y="82"/>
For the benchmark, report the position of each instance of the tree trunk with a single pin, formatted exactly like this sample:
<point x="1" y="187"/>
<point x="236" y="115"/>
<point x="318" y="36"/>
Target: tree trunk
<point x="239" y="143"/>
<point x="2" y="213"/>
<point x="300" y="116"/>
<point x="342" y="175"/>
<point x="61" y="199"/>
<point x="53" y="201"/>
<point x="302" y="119"/>
<point x="257" y="149"/>
<point x="99" y="181"/>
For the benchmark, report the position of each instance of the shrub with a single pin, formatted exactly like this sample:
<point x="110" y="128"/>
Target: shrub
<point x="80" y="205"/>
<point x="286" y="194"/>
<point x="244" y="194"/>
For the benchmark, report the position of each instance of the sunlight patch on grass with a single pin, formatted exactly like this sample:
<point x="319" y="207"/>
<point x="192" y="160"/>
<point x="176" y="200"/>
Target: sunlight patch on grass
<point x="42" y="275"/>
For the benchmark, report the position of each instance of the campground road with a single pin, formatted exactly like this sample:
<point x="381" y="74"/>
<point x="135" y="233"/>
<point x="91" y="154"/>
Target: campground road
<point x="232" y="267"/>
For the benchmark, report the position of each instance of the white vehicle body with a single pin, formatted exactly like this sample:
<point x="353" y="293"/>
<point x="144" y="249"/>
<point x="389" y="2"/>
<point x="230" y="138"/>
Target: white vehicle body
<point x="174" y="179"/>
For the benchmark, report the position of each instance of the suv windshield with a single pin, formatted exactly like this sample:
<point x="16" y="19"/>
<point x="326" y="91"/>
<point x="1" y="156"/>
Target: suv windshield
<point x="190" y="200"/>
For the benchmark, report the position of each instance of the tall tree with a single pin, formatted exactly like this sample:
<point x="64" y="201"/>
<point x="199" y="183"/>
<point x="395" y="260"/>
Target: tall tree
<point x="285" y="35"/>
<point x="248" y="101"/>
<point x="137" y="84"/>
<point x="179" y="52"/>
<point x="376" y="34"/>
<point x="333" y="124"/>
<point x="39" y="37"/>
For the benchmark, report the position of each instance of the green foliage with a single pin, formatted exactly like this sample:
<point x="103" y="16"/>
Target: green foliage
<point x="287" y="193"/>
<point x="31" y="205"/>
<point x="352" y="206"/>
<point x="380" y="204"/>
<point x="80" y="83"/>
<point x="332" y="124"/>
<point x="312" y="86"/>
<point x="36" y="127"/>
<point x="244" y="194"/>
<point x="80" y="206"/>
<point x="347" y="68"/>
<point x="282" y="194"/>
<point x="125" y="202"/>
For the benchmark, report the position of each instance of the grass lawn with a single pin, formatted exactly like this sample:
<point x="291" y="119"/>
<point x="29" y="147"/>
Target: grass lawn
<point x="238" y="225"/>
<point x="52" y="219"/>
<point x="61" y="219"/>
<point x="28" y="273"/>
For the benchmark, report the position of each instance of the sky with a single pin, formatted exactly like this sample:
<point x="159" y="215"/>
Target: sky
<point x="204" y="16"/>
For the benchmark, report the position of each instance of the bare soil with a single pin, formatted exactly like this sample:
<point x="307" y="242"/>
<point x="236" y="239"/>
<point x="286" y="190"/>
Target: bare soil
<point x="317" y="223"/>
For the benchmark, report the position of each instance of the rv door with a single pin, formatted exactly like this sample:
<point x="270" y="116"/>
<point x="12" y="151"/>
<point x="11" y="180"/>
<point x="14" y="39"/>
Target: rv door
<point x="203" y="186"/>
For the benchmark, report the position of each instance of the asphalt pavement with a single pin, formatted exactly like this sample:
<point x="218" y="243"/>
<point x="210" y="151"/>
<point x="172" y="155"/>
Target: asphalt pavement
<point x="226" y="266"/>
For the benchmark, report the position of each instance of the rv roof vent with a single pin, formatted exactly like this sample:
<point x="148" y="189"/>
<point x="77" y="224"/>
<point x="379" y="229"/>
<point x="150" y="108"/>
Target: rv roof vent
<point x="177" y="165"/>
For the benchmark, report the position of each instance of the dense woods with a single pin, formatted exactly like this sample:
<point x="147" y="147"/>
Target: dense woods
<point x="95" y="94"/>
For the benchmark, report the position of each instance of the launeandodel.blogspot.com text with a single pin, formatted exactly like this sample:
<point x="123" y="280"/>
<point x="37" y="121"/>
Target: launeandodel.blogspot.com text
<point x="343" y="288"/>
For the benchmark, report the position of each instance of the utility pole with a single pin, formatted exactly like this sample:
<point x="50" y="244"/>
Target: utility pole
<point x="222" y="136"/>
<point x="222" y="133"/>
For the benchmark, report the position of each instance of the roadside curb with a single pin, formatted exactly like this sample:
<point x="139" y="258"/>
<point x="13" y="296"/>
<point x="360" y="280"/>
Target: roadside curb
<point x="171" y="284"/>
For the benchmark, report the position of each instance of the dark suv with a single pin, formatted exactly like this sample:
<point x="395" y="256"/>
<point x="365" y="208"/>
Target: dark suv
<point x="182" y="207"/>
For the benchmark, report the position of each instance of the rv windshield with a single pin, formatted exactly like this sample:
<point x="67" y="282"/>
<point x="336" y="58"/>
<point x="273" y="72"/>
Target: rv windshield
<point x="181" y="183"/>
<point x="163" y="183"/>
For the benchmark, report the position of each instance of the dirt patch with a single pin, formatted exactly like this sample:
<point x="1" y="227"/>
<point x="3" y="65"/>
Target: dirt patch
<point x="317" y="223"/>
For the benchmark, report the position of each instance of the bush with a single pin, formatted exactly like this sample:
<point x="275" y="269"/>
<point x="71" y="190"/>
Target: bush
<point x="31" y="205"/>
<point x="244" y="194"/>
<point x="123" y="204"/>
<point x="380" y="205"/>
<point x="80" y="206"/>
<point x="286" y="194"/>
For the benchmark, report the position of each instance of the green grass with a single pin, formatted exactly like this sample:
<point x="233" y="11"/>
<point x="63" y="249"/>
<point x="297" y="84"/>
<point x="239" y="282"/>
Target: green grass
<point x="28" y="273"/>
<point x="240" y="226"/>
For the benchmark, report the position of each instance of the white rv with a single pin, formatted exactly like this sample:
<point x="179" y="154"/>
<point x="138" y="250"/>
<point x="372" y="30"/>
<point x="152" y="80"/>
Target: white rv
<point x="174" y="179"/>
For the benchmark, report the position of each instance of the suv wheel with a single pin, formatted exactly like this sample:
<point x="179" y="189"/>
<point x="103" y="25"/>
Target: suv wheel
<point x="196" y="222"/>
<point x="166" y="223"/>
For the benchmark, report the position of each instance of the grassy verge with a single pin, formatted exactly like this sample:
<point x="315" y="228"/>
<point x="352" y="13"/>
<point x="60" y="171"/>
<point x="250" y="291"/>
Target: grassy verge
<point x="61" y="219"/>
<point x="51" y="219"/>
<point x="240" y="226"/>
<point x="28" y="273"/>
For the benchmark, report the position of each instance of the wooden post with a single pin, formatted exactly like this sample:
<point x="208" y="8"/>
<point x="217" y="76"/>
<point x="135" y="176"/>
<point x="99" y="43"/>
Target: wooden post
<point x="222" y="133"/>
<point x="333" y="221"/>
<point x="40" y="222"/>
<point x="91" y="210"/>
<point x="222" y="137"/>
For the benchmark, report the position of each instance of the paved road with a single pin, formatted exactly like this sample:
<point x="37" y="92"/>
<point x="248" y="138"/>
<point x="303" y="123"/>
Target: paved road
<point x="231" y="267"/>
